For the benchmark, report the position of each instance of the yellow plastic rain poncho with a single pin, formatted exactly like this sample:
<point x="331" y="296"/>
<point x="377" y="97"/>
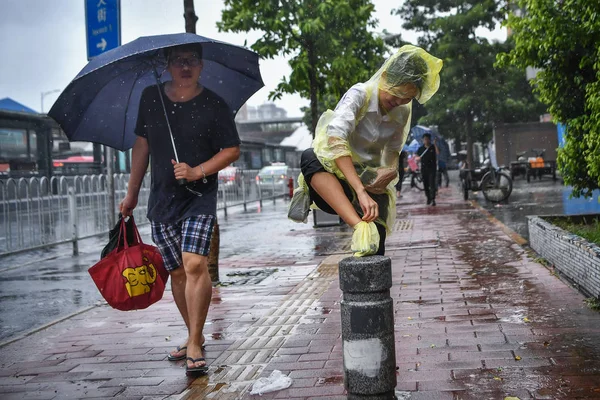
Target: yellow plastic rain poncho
<point x="358" y="128"/>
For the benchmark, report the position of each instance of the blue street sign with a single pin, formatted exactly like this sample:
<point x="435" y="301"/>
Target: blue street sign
<point x="103" y="26"/>
<point x="562" y="131"/>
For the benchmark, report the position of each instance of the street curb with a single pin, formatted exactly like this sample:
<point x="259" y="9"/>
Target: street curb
<point x="46" y="326"/>
<point x="520" y="240"/>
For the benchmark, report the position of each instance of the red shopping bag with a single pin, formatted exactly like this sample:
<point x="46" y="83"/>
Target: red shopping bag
<point x="132" y="276"/>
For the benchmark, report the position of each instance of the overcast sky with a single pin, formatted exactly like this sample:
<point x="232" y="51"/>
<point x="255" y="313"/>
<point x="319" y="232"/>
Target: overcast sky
<point x="43" y="43"/>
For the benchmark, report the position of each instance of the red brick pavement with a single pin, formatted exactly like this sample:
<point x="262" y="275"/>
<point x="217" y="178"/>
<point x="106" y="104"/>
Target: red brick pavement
<point x="476" y="318"/>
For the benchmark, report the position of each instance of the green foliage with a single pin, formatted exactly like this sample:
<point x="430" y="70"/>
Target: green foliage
<point x="562" y="39"/>
<point x="328" y="43"/>
<point x="593" y="303"/>
<point x="587" y="229"/>
<point x="473" y="95"/>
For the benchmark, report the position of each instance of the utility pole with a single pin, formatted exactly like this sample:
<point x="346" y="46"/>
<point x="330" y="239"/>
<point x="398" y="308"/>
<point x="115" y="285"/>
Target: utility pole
<point x="189" y="14"/>
<point x="44" y="94"/>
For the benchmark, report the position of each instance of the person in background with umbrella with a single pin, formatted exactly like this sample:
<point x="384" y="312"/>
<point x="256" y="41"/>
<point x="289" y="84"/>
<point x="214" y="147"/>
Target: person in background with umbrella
<point x="428" y="156"/>
<point x="183" y="216"/>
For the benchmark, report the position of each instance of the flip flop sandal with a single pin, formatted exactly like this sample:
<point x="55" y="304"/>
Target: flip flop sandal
<point x="195" y="370"/>
<point x="180" y="357"/>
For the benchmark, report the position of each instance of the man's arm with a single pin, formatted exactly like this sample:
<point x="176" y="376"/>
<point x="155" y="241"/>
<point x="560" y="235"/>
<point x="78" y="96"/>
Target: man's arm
<point x="139" y="166"/>
<point x="221" y="160"/>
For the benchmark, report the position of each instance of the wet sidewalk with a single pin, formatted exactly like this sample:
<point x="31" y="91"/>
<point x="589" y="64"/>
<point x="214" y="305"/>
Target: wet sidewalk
<point x="476" y="318"/>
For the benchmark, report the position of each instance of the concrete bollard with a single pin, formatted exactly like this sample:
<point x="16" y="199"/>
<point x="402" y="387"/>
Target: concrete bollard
<point x="368" y="328"/>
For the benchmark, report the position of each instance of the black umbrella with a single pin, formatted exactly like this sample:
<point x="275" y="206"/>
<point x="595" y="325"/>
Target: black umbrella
<point x="101" y="104"/>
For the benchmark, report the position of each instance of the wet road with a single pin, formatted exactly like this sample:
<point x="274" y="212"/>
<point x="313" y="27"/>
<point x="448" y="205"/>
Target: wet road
<point x="543" y="197"/>
<point x="41" y="286"/>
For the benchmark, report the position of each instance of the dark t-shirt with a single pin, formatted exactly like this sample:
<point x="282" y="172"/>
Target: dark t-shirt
<point x="201" y="127"/>
<point x="428" y="157"/>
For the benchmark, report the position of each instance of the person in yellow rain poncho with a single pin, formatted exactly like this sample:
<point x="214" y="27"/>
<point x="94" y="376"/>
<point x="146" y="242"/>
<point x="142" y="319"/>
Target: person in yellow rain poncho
<point x="351" y="169"/>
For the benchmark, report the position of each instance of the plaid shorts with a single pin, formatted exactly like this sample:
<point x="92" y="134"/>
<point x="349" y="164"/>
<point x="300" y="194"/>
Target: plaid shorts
<point x="191" y="235"/>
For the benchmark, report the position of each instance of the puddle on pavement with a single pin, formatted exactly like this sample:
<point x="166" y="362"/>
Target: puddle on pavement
<point x="219" y="370"/>
<point x="403" y="395"/>
<point x="333" y="380"/>
<point x="218" y="387"/>
<point x="520" y="301"/>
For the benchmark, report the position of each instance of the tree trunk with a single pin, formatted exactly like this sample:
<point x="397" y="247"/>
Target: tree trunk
<point x="213" y="256"/>
<point x="314" y="88"/>
<point x="469" y="132"/>
<point x="189" y="14"/>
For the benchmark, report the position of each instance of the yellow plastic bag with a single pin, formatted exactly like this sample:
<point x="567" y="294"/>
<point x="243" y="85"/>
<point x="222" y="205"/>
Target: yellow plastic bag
<point x="365" y="240"/>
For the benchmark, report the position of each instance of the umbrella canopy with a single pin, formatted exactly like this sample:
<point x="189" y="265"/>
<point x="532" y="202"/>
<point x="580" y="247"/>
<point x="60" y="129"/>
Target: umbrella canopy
<point x="101" y="104"/>
<point x="418" y="131"/>
<point x="412" y="147"/>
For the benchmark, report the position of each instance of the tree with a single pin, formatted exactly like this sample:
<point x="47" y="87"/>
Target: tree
<point x="562" y="39"/>
<point x="473" y="95"/>
<point x="328" y="42"/>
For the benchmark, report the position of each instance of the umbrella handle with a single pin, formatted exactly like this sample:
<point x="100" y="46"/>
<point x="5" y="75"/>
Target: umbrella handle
<point x="182" y="182"/>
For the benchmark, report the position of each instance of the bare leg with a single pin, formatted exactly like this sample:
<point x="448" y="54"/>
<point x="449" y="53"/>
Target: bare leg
<point x="330" y="190"/>
<point x="178" y="282"/>
<point x="198" y="293"/>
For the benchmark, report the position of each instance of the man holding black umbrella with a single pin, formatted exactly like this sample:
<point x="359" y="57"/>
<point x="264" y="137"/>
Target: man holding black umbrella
<point x="183" y="216"/>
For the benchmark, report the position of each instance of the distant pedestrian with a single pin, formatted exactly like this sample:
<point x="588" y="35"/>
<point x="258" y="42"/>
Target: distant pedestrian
<point x="401" y="166"/>
<point x="183" y="217"/>
<point x="428" y="155"/>
<point x="442" y="171"/>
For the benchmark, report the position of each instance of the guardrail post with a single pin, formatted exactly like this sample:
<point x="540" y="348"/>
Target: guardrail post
<point x="367" y="313"/>
<point x="73" y="219"/>
<point x="258" y="186"/>
<point x="273" y="188"/>
<point x="244" y="192"/>
<point x="222" y="188"/>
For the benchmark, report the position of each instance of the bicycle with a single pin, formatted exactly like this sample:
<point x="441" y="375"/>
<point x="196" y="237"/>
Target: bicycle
<point x="495" y="183"/>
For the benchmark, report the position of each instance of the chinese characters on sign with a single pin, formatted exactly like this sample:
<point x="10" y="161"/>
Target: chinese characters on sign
<point x="102" y="26"/>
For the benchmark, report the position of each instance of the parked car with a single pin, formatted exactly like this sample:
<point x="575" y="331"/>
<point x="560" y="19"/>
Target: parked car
<point x="230" y="180"/>
<point x="273" y="178"/>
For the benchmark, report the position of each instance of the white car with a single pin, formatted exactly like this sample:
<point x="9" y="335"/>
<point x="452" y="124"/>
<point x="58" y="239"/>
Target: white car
<point x="273" y="178"/>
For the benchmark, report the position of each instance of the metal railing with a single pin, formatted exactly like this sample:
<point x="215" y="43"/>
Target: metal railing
<point x="40" y="212"/>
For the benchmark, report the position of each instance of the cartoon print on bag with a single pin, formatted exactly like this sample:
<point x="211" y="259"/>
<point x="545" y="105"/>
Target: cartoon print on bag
<point x="140" y="278"/>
